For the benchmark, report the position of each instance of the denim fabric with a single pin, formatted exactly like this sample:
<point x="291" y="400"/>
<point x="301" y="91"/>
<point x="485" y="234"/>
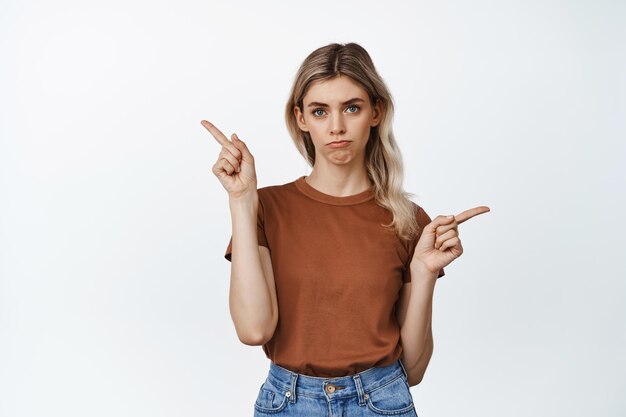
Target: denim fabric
<point x="378" y="391"/>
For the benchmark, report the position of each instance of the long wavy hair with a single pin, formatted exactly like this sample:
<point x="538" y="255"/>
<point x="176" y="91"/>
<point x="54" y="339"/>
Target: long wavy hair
<point x="383" y="160"/>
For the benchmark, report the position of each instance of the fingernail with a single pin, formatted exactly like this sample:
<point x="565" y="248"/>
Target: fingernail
<point x="449" y="217"/>
<point x="235" y="136"/>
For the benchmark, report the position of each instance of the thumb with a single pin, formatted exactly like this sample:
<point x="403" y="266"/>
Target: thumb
<point x="239" y="144"/>
<point x="438" y="221"/>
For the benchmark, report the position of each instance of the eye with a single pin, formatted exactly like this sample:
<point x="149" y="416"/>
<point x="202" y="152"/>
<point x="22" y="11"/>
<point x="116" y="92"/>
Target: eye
<point x="315" y="112"/>
<point x="354" y="106"/>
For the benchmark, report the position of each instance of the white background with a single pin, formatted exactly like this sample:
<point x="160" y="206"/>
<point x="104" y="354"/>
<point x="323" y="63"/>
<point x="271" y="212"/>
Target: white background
<point x="114" y="289"/>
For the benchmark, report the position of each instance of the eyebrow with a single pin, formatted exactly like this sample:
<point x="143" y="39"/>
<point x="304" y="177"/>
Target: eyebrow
<point x="352" y="100"/>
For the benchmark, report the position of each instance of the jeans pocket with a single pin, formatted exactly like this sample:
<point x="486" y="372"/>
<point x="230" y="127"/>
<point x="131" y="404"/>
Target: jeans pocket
<point x="270" y="399"/>
<point x="392" y="399"/>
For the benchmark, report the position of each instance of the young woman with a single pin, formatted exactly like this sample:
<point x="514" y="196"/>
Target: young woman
<point x="334" y="273"/>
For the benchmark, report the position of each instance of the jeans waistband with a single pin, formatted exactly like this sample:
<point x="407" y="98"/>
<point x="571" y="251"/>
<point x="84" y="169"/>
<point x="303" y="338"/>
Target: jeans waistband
<point x="333" y="387"/>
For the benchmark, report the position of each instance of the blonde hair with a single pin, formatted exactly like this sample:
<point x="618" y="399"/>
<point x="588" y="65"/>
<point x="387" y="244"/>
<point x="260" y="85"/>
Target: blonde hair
<point x="383" y="160"/>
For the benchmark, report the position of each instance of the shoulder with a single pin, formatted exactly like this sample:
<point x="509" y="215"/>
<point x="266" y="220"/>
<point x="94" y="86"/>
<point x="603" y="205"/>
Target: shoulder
<point x="421" y="215"/>
<point x="422" y="218"/>
<point x="275" y="193"/>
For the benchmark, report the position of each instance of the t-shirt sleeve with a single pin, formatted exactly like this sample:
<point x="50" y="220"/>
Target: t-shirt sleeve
<point x="260" y="232"/>
<point x="422" y="220"/>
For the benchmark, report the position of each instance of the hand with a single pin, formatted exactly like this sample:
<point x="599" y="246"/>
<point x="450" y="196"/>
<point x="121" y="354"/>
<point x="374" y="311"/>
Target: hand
<point x="439" y="243"/>
<point x="235" y="164"/>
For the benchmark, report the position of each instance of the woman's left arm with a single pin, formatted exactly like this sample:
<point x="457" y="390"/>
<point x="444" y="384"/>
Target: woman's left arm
<point x="438" y="245"/>
<point x="415" y="319"/>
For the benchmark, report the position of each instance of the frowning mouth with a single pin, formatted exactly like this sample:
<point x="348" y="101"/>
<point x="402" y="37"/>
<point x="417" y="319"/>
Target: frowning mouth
<point x="339" y="143"/>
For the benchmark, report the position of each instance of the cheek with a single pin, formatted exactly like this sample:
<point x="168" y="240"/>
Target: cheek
<point x="316" y="132"/>
<point x="316" y="127"/>
<point x="362" y="126"/>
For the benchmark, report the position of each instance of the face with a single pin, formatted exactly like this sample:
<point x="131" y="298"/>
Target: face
<point x="338" y="109"/>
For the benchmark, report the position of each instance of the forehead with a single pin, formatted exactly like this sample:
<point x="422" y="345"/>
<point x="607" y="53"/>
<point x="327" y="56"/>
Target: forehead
<point x="335" y="90"/>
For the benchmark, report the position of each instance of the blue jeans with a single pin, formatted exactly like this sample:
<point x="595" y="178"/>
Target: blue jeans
<point x="377" y="391"/>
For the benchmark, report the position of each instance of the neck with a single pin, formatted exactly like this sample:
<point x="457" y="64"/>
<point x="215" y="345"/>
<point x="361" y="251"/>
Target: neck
<point x="339" y="181"/>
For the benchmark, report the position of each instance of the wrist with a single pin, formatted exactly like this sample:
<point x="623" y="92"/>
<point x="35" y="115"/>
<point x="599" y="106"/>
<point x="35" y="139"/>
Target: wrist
<point x="244" y="206"/>
<point x="419" y="272"/>
<point x="244" y="200"/>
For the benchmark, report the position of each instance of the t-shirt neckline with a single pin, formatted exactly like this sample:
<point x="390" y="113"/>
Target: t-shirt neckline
<point x="317" y="195"/>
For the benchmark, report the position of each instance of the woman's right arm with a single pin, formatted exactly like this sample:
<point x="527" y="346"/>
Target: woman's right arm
<point x="252" y="300"/>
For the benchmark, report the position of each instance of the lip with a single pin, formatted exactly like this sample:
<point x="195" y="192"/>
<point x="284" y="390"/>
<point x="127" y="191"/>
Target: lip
<point x="339" y="144"/>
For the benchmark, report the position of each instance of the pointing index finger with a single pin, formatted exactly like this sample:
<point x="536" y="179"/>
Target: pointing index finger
<point x="217" y="134"/>
<point x="468" y="214"/>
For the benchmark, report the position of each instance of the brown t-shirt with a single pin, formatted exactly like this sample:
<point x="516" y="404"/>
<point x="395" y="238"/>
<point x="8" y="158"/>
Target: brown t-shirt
<point x="338" y="274"/>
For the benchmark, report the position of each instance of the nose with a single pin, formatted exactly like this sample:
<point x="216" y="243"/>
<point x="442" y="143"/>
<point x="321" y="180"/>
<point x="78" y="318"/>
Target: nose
<point x="337" y="126"/>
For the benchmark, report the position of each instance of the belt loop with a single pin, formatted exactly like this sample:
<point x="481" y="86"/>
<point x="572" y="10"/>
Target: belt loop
<point x="294" y="378"/>
<point x="359" y="388"/>
<point x="403" y="370"/>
